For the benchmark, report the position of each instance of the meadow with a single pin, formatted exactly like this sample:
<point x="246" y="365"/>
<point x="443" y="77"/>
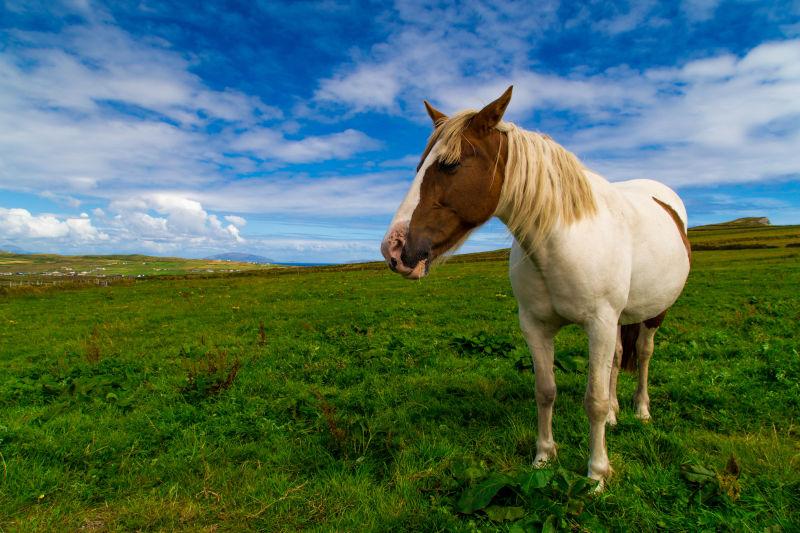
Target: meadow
<point x="722" y="236"/>
<point x="43" y="267"/>
<point x="352" y="400"/>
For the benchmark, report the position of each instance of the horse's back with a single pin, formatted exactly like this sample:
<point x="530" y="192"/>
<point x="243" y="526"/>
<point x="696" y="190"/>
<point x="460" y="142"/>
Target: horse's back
<point x="643" y="189"/>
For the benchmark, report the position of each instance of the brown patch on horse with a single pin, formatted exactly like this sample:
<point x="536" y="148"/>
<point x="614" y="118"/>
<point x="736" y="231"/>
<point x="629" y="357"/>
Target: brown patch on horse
<point x="656" y="320"/>
<point x="456" y="198"/>
<point x="462" y="189"/>
<point x="630" y="334"/>
<point x="678" y="222"/>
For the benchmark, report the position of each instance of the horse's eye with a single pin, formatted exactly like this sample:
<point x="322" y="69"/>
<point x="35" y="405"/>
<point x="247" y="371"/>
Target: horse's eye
<point x="449" y="167"/>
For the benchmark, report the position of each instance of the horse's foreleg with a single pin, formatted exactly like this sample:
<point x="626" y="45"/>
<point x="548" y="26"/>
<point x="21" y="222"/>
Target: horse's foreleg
<point x="613" y="409"/>
<point x="644" y="350"/>
<point x="602" y="349"/>
<point x="540" y="341"/>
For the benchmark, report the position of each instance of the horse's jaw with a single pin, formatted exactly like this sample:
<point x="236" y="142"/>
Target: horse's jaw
<point x="418" y="271"/>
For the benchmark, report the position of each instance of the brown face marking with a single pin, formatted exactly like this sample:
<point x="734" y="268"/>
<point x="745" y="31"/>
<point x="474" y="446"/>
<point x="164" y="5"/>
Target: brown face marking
<point x="678" y="222"/>
<point x="456" y="198"/>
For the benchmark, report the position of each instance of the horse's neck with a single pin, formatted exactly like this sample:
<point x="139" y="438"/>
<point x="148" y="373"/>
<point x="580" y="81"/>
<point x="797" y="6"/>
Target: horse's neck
<point x="601" y="189"/>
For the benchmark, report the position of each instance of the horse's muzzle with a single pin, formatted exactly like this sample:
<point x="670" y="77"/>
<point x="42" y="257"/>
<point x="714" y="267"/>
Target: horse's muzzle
<point x="405" y="256"/>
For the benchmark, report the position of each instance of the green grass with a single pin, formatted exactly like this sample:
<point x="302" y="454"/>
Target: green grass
<point x="722" y="236"/>
<point x="350" y="399"/>
<point x="38" y="265"/>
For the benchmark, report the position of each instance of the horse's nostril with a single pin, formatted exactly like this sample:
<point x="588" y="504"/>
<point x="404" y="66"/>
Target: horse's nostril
<point x="393" y="262"/>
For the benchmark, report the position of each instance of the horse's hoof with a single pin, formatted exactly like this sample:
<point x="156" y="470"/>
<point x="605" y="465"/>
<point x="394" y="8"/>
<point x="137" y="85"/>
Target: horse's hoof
<point x="600" y="475"/>
<point x="643" y="415"/>
<point x="545" y="457"/>
<point x="611" y="419"/>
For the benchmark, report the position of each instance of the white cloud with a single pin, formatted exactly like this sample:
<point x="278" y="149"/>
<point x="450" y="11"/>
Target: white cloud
<point x="699" y="10"/>
<point x="92" y="108"/>
<point x="429" y="50"/>
<point x="367" y="87"/>
<point x="159" y="222"/>
<point x="269" y="144"/>
<point x="408" y="161"/>
<point x="20" y="223"/>
<point x="714" y="120"/>
<point x="181" y="219"/>
<point x="236" y="220"/>
<point x="637" y="15"/>
<point x="86" y="65"/>
<point x="317" y="198"/>
<point x="717" y="119"/>
<point x="142" y="225"/>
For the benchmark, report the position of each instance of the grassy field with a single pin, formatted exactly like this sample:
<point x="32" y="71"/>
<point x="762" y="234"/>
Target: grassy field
<point x="51" y="266"/>
<point x="720" y="236"/>
<point x="353" y="400"/>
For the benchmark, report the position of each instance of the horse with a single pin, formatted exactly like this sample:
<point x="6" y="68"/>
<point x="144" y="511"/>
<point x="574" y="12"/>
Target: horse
<point x="610" y="257"/>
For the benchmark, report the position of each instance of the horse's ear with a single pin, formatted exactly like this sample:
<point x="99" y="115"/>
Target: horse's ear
<point x="488" y="117"/>
<point x="436" y="116"/>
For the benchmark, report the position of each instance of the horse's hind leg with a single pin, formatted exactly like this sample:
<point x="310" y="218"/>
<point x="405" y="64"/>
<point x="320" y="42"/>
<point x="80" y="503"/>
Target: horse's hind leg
<point x="613" y="409"/>
<point x="644" y="351"/>
<point x="540" y="341"/>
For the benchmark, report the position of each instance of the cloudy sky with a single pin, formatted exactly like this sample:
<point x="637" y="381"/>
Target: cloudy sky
<point x="291" y="130"/>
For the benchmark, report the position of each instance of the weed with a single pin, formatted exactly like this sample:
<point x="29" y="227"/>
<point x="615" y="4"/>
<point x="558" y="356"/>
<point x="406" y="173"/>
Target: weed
<point x="209" y="376"/>
<point x="483" y="344"/>
<point x="544" y="499"/>
<point x="711" y="487"/>
<point x="337" y="434"/>
<point x="262" y="334"/>
<point x="92" y="346"/>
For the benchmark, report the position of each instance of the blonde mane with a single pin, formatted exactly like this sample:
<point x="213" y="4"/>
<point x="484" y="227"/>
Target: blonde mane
<point x="544" y="182"/>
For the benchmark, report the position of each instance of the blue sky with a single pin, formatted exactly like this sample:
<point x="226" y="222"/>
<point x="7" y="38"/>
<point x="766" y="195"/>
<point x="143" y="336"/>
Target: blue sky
<point x="291" y="130"/>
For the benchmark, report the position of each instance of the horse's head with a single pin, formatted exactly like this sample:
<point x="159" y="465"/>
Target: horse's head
<point x="456" y="189"/>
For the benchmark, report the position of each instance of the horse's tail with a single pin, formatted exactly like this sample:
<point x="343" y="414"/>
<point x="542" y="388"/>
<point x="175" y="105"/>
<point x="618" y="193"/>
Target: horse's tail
<point x="630" y="359"/>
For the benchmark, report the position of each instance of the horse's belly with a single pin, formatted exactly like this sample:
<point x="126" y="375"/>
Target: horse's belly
<point x="657" y="280"/>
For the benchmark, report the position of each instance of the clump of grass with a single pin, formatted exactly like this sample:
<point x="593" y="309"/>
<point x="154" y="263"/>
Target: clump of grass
<point x="92" y="346"/>
<point x="539" y="500"/>
<point x="712" y="487"/>
<point x="262" y="334"/>
<point x="338" y="435"/>
<point x="211" y="375"/>
<point x="483" y="344"/>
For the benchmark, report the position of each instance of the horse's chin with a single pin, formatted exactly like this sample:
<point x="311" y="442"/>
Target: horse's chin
<point x="419" y="271"/>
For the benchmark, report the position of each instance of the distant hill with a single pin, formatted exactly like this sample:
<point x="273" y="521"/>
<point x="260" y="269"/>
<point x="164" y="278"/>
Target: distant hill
<point x="261" y="260"/>
<point x="11" y="249"/>
<point x="746" y="222"/>
<point x="242" y="258"/>
<point x="359" y="261"/>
